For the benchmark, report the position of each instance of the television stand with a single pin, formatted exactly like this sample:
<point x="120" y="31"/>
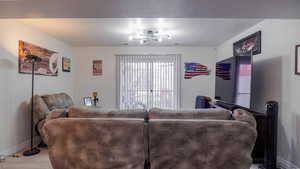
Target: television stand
<point x="265" y="149"/>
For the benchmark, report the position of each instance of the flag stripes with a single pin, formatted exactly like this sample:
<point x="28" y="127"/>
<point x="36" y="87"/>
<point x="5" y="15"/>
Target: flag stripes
<point x="223" y="71"/>
<point x="195" y="69"/>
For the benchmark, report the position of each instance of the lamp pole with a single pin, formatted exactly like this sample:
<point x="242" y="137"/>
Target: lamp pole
<point x="32" y="150"/>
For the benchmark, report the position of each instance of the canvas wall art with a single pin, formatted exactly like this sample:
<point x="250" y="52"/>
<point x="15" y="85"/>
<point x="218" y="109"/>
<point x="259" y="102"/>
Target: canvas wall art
<point x="48" y="66"/>
<point x="97" y="67"/>
<point x="66" y="64"/>
<point x="245" y="46"/>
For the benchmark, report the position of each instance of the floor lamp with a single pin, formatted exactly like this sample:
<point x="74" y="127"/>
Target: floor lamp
<point x="33" y="150"/>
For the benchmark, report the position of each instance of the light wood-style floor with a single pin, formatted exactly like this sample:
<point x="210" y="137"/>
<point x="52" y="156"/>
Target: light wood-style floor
<point x="40" y="161"/>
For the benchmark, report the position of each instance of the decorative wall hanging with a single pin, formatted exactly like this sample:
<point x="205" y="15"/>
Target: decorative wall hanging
<point x="195" y="69"/>
<point x="245" y="46"/>
<point x="97" y="67"/>
<point x="48" y="65"/>
<point x="223" y="71"/>
<point x="297" y="60"/>
<point x="66" y="64"/>
<point x="88" y="101"/>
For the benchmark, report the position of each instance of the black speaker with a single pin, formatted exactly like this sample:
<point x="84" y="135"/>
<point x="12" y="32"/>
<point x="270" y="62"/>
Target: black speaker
<point x="271" y="135"/>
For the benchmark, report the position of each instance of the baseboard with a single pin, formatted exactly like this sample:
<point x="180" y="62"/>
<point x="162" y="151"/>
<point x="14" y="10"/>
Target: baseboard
<point x="18" y="147"/>
<point x="285" y="164"/>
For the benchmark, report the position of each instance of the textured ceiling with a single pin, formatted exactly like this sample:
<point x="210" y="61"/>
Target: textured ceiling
<point x="150" y="8"/>
<point x="115" y="32"/>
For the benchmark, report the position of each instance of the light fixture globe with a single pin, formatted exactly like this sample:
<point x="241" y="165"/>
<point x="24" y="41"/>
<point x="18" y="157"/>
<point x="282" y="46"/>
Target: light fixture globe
<point x="149" y="36"/>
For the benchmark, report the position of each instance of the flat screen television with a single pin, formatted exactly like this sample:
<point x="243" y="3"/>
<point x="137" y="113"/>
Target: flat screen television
<point x="233" y="81"/>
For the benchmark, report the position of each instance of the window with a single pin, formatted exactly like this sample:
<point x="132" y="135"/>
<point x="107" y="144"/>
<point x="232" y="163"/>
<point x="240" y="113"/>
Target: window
<point x="148" y="80"/>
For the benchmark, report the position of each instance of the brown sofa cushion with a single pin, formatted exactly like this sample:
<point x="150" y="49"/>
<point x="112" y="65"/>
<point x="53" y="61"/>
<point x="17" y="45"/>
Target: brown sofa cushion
<point x="213" y="113"/>
<point x="96" y="143"/>
<point x="57" y="101"/>
<point x="90" y="112"/>
<point x="201" y="144"/>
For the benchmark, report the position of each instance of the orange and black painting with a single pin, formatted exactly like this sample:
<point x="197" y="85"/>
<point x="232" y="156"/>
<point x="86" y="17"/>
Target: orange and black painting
<point x="97" y="67"/>
<point x="48" y="66"/>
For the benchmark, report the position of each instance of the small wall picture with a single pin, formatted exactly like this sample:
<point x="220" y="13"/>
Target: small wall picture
<point x="48" y="66"/>
<point x="245" y="46"/>
<point x="66" y="64"/>
<point x="297" y="60"/>
<point x="87" y="101"/>
<point x="97" y="67"/>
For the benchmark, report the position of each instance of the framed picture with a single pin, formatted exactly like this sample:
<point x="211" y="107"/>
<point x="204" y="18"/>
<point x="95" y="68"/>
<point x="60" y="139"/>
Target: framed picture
<point x="66" y="64"/>
<point x="97" y="67"/>
<point x="245" y="46"/>
<point x="48" y="66"/>
<point x="297" y="60"/>
<point x="87" y="101"/>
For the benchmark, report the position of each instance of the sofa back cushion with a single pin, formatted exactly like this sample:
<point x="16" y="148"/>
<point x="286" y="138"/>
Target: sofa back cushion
<point x="201" y="144"/>
<point x="213" y="113"/>
<point x="96" y="143"/>
<point x="57" y="101"/>
<point x="90" y="112"/>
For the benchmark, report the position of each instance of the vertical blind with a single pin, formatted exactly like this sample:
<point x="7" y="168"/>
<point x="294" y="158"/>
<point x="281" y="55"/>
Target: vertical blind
<point x="148" y="80"/>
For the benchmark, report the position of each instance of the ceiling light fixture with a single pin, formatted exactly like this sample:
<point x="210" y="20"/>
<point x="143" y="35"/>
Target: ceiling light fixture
<point x="149" y="36"/>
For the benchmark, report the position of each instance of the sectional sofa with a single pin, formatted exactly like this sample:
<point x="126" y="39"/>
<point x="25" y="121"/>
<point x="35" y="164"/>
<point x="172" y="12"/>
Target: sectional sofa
<point x="184" y="139"/>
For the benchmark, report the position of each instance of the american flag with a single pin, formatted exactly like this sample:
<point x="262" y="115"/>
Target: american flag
<point x="223" y="71"/>
<point x="194" y="69"/>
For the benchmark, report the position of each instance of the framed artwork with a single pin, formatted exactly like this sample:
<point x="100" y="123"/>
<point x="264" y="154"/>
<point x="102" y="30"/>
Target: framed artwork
<point x="48" y="66"/>
<point x="250" y="43"/>
<point x="66" y="64"/>
<point x="297" y="60"/>
<point x="97" y="67"/>
<point x="87" y="101"/>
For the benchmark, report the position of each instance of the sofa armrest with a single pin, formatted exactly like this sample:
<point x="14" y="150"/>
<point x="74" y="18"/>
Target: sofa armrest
<point x="57" y="113"/>
<point x="244" y="116"/>
<point x="54" y="114"/>
<point x="40" y="109"/>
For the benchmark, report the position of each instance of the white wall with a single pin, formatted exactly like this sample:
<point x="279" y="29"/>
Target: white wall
<point x="275" y="80"/>
<point x="106" y="84"/>
<point x="15" y="88"/>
